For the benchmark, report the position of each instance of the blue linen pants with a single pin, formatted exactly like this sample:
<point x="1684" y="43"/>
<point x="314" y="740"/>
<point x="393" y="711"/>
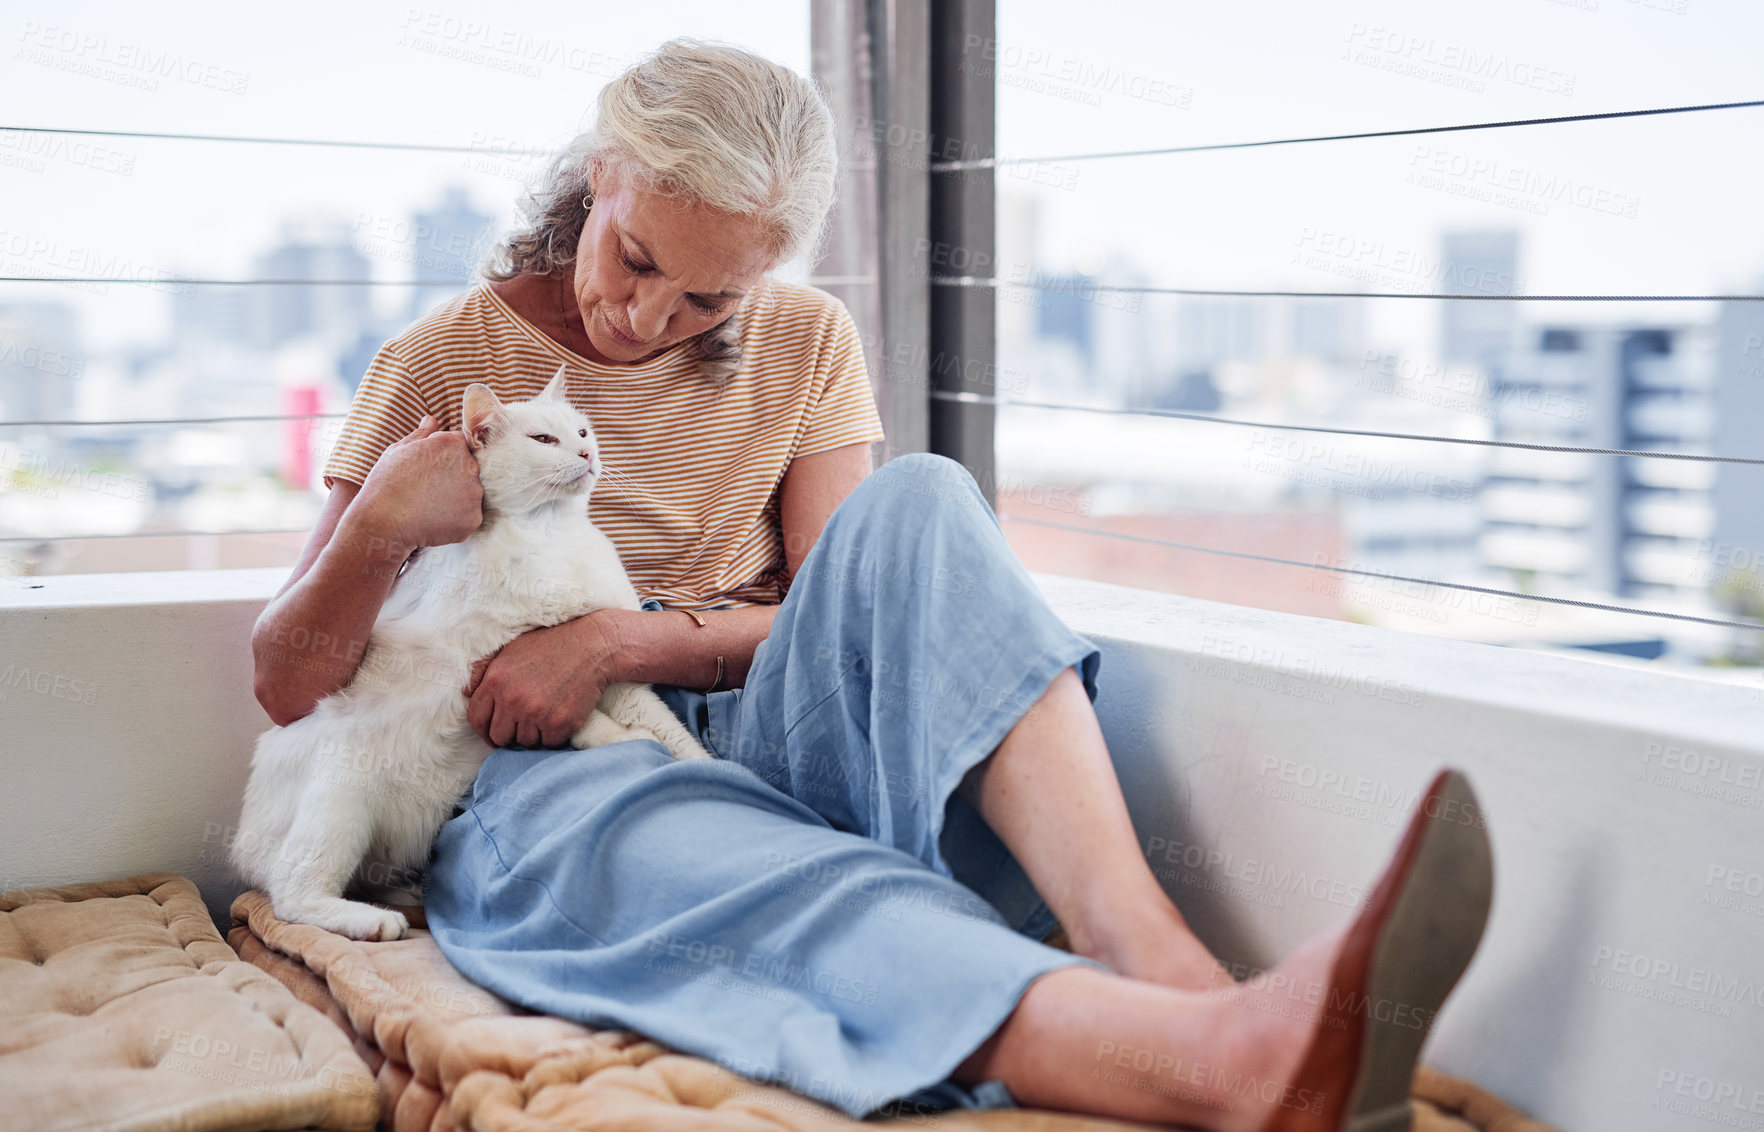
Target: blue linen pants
<point x="814" y="907"/>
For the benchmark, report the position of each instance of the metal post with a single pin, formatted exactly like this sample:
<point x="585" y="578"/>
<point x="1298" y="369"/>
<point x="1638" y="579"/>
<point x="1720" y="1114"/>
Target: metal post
<point x="840" y="57"/>
<point x="871" y="57"/>
<point x="929" y="98"/>
<point x="899" y="36"/>
<point x="963" y="341"/>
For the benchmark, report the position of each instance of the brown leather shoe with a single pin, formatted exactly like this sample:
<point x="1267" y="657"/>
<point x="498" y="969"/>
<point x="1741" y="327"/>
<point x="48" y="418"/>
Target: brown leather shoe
<point x="1397" y="963"/>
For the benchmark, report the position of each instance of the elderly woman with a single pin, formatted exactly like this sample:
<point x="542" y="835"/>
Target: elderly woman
<point x="911" y="787"/>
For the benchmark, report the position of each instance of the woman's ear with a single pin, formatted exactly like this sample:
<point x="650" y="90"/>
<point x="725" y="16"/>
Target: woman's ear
<point x="481" y="415"/>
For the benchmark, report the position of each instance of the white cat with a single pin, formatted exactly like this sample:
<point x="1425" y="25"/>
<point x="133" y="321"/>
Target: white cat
<point x="377" y="766"/>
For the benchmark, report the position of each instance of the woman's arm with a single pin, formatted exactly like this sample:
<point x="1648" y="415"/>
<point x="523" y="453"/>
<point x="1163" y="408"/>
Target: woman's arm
<point x="673" y="650"/>
<point x="307" y="643"/>
<point x="541" y="687"/>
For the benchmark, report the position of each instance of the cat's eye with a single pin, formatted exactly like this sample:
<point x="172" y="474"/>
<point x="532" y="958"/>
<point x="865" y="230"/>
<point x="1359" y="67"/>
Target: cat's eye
<point x="581" y="432"/>
<point x="543" y="437"/>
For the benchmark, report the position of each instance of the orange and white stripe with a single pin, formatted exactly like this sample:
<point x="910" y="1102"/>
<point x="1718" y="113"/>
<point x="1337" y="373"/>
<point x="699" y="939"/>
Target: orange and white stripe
<point x="691" y="498"/>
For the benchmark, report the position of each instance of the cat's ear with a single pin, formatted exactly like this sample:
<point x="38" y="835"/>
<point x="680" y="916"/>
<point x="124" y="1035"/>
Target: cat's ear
<point x="557" y="389"/>
<point x="482" y="416"/>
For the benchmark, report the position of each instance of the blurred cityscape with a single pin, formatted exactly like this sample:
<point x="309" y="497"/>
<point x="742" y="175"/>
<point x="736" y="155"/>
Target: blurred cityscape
<point x="1679" y="535"/>
<point x="292" y="352"/>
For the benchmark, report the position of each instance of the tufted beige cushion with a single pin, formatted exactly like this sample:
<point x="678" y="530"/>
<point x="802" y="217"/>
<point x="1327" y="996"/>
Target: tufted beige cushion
<point x="451" y="1055"/>
<point x="122" y="1008"/>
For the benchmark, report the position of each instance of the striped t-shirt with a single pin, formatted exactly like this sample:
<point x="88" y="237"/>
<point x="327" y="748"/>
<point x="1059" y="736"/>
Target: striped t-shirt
<point x="693" y="505"/>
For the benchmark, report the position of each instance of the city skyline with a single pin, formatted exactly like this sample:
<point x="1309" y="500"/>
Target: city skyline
<point x="1505" y="212"/>
<point x="1435" y="511"/>
<point x="1635" y="206"/>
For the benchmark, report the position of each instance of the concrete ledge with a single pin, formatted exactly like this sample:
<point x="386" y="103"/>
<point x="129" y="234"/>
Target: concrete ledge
<point x="1269" y="762"/>
<point x="129" y="723"/>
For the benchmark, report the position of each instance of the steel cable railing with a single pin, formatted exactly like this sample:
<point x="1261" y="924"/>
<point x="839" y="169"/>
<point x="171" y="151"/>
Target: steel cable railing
<point x="817" y="280"/>
<point x="996" y="162"/>
<point x="936" y="167"/>
<point x="334" y="143"/>
<point x="1177" y="414"/>
<point x="1463" y="586"/>
<point x="990" y="282"/>
<point x="1094" y="287"/>
<point x="1137" y="289"/>
<point x="179" y="533"/>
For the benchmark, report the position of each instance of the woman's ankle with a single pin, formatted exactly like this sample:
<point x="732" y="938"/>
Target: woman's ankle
<point x="1154" y="944"/>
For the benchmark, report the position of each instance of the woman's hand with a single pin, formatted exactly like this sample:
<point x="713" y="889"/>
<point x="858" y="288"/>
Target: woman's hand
<point x="423" y="491"/>
<point x="540" y="688"/>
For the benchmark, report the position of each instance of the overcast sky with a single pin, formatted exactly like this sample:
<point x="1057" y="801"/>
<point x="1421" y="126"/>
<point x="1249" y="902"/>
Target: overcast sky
<point x="1652" y="205"/>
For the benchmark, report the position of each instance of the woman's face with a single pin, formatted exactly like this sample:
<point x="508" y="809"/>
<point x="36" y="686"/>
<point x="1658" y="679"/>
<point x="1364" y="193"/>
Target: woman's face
<point x="652" y="272"/>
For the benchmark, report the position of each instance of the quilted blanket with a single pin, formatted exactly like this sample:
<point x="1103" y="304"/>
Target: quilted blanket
<point x="450" y="1055"/>
<point x="122" y="1008"/>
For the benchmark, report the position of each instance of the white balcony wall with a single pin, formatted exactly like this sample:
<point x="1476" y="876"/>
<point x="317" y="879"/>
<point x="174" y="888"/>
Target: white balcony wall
<point x="1269" y="762"/>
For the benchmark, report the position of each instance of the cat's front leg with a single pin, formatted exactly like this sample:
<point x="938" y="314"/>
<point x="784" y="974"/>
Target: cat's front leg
<point x="323" y="848"/>
<point x="637" y="707"/>
<point x="601" y="729"/>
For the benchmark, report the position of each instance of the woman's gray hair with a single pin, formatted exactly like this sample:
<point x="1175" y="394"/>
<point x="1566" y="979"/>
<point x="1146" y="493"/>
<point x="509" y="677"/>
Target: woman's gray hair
<point x="706" y="122"/>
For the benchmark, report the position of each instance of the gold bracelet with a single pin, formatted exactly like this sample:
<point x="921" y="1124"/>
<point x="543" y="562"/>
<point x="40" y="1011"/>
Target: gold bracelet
<point x="718" y="681"/>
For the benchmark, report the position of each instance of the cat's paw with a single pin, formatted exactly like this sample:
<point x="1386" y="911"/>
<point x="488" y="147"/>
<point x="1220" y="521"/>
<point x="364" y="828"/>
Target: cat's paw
<point x="600" y="730"/>
<point x="374" y="925"/>
<point x="351" y="918"/>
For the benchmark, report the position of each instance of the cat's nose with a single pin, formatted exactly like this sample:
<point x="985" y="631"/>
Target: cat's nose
<point x="588" y="456"/>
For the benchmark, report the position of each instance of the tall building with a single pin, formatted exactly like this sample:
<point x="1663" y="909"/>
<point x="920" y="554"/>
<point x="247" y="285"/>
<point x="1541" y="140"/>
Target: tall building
<point x="1478" y="263"/>
<point x="1214" y="330"/>
<point x="1019" y="222"/>
<point x="1738" y="544"/>
<point x="1578" y="522"/>
<point x="1124" y="348"/>
<point x="1330" y="330"/>
<point x="449" y="241"/>
<point x="211" y="314"/>
<point x="1065" y="310"/>
<point x="336" y="315"/>
<point x="41" y="360"/>
<point x="1211" y="330"/>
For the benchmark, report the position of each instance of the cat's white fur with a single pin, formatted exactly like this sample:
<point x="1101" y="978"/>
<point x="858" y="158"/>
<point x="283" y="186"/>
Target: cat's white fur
<point x="377" y="766"/>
